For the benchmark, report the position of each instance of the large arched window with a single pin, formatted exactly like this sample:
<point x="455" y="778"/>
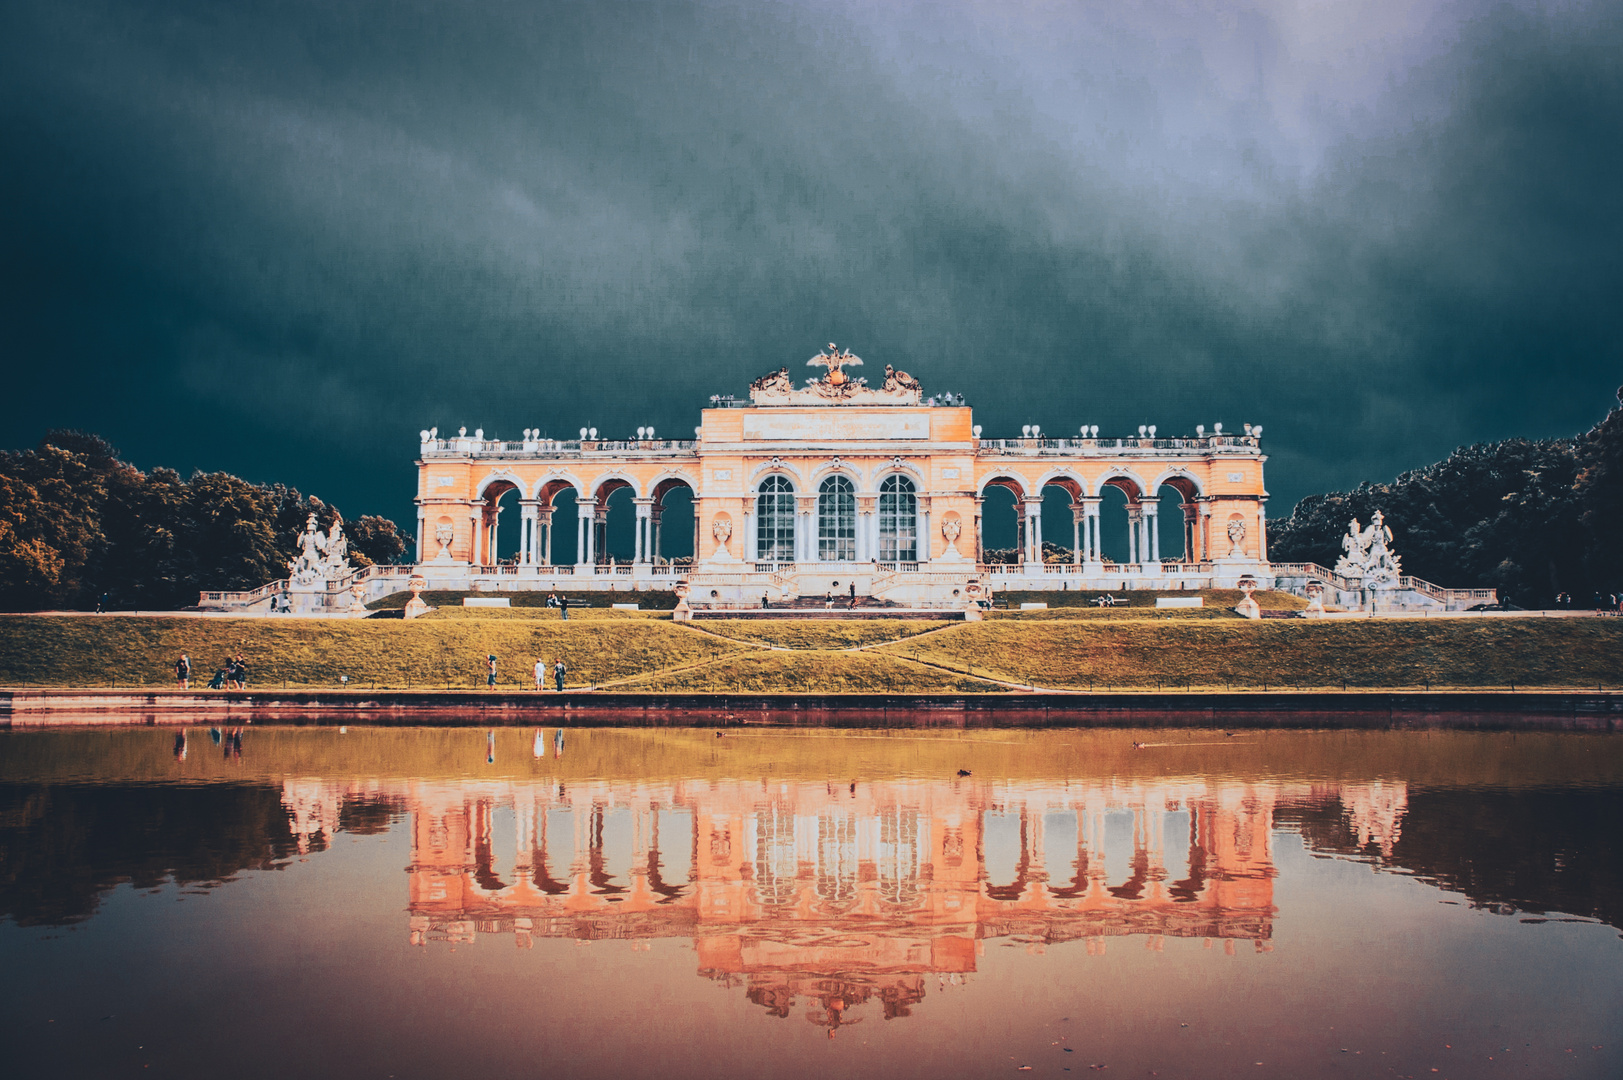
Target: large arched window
<point x="775" y="520"/>
<point x="836" y="520"/>
<point x="898" y="521"/>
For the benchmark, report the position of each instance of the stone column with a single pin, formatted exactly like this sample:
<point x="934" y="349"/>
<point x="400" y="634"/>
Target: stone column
<point x="526" y="532"/>
<point x="980" y="538"/>
<point x="867" y="550"/>
<point x="1135" y="529"/>
<point x="584" y="510"/>
<point x="600" y="535"/>
<point x="1077" y="516"/>
<point x="655" y="513"/>
<point x="1262" y="533"/>
<point x="645" y="517"/>
<point x="1090" y="530"/>
<point x="806" y="528"/>
<point x="747" y="543"/>
<point x="1203" y="526"/>
<point x="1152" y="528"/>
<point x="1034" y="529"/>
<point x="419" y="535"/>
<point x="926" y="542"/>
<point x="476" y="527"/>
<point x="543" y="530"/>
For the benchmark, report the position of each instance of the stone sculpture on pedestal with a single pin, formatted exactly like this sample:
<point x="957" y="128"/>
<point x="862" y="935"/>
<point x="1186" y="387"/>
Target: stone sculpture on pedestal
<point x="1368" y="559"/>
<point x="1248" y="607"/>
<point x="416" y="605"/>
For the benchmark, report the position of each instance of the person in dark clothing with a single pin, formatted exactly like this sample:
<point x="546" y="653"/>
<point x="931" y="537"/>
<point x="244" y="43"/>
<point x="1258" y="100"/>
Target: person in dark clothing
<point x="183" y="672"/>
<point x="558" y="673"/>
<point x="563" y="606"/>
<point x="490" y="671"/>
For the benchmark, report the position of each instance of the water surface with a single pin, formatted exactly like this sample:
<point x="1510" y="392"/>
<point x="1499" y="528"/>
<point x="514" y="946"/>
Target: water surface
<point x="670" y="903"/>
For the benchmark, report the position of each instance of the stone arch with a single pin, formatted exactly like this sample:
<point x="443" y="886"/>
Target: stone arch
<point x="829" y="468"/>
<point x="904" y="467"/>
<point x="685" y="523"/>
<point x="609" y="483"/>
<point x="1126" y="481"/>
<point x="760" y="472"/>
<point x="548" y="487"/>
<point x="1003" y="478"/>
<point x="997" y="519"/>
<point x="501" y="476"/>
<point x="1186" y="483"/>
<point x="1189" y="490"/>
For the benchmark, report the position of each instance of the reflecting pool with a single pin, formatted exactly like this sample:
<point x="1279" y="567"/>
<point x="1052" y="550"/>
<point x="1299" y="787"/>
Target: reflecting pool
<point x="377" y="902"/>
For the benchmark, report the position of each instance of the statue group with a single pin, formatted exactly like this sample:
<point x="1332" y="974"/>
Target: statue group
<point x="1367" y="556"/>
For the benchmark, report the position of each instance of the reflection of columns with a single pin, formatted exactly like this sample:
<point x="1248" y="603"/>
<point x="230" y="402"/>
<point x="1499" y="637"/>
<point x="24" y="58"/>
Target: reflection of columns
<point x="644" y="521"/>
<point x="1152" y="529"/>
<point x="584" y="510"/>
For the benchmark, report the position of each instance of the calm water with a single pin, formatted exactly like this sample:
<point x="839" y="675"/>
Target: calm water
<point x="627" y="903"/>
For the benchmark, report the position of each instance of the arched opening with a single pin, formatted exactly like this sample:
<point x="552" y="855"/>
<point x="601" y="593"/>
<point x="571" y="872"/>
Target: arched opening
<point x="672" y="535"/>
<point x="1001" y="529"/>
<point x="556" y="530"/>
<point x="775" y="520"/>
<point x="490" y="550"/>
<point x="836" y="520"/>
<point x="1176" y="510"/>
<point x="1061" y="527"/>
<point x="616" y="523"/>
<point x="1121" y="519"/>
<point x="898" y="520"/>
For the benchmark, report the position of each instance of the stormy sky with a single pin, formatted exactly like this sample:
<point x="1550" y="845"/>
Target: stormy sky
<point x="278" y="239"/>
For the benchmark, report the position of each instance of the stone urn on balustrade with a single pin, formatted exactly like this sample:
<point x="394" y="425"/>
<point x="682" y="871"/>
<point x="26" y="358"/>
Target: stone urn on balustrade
<point x="1248" y="606"/>
<point x="683" y="613"/>
<point x="416" y="606"/>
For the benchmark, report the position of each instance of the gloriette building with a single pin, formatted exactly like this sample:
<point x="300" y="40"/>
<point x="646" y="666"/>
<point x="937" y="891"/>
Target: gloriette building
<point x="812" y="488"/>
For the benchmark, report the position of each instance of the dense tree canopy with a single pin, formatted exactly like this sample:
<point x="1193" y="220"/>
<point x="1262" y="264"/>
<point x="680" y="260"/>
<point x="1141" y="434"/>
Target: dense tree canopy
<point x="77" y="523"/>
<point x="1531" y="519"/>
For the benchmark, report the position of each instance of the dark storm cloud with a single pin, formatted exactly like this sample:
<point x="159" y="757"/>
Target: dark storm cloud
<point x="281" y="239"/>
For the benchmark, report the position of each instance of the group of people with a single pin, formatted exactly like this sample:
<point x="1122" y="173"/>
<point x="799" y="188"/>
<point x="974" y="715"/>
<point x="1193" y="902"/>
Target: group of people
<point x="1607" y="602"/>
<point x="558" y="672"/>
<point x="232" y="674"/>
<point x="559" y="602"/>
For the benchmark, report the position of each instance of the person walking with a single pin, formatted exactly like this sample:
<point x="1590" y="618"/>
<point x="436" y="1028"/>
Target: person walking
<point x="540" y="674"/>
<point x="183" y="672"/>
<point x="490" y="671"/>
<point x="558" y="672"/>
<point x="853" y="603"/>
<point x="563" y="606"/>
<point x="764" y="600"/>
<point x="240" y="672"/>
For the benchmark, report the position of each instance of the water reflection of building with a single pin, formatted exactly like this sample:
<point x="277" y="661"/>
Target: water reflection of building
<point x="836" y="893"/>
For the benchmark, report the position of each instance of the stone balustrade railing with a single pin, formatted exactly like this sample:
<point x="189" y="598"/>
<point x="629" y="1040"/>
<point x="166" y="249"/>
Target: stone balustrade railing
<point x="1037" y="447"/>
<point x="551" y="448"/>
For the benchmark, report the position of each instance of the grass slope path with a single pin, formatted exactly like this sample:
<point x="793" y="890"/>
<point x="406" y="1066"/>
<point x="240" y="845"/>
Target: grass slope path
<point x="103" y="650"/>
<point x="1571" y="653"/>
<point x="809" y="671"/>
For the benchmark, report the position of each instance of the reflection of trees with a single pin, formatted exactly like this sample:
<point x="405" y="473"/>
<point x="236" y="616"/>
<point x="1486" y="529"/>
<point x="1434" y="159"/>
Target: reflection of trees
<point x="63" y="845"/>
<point x="1536" y="850"/>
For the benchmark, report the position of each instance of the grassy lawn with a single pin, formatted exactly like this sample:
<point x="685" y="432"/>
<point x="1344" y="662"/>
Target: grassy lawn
<point x="1219" y="604"/>
<point x="93" y="650"/>
<point x="808" y="671"/>
<point x="819" y="633"/>
<point x="542" y="614"/>
<point x="1078" y="654"/>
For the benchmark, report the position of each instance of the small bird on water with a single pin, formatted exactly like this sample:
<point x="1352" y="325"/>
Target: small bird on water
<point x="964" y="772"/>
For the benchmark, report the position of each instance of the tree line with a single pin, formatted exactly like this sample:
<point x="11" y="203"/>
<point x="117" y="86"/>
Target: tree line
<point x="1531" y="518"/>
<point x="77" y="524"/>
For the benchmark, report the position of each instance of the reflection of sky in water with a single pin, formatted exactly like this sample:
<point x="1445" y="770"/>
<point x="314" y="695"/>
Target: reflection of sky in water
<point x="593" y="921"/>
